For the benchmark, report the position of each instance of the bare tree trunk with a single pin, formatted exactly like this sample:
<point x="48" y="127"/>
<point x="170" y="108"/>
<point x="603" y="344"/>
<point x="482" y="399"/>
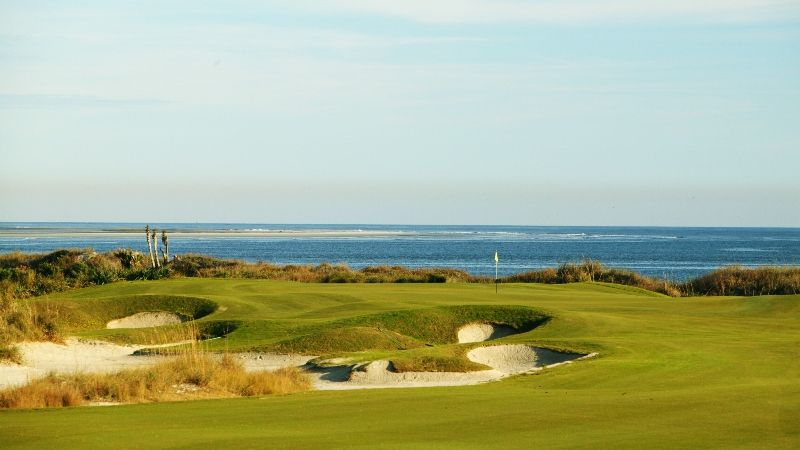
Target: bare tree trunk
<point x="165" y="241"/>
<point x="149" y="248"/>
<point x="155" y="247"/>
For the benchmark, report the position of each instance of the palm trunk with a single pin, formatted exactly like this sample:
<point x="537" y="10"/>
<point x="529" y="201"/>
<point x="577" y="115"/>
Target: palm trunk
<point x="149" y="247"/>
<point x="165" y="241"/>
<point x="155" y="247"/>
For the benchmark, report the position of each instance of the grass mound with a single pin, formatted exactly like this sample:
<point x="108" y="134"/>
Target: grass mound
<point x="417" y="340"/>
<point x="348" y="339"/>
<point x="406" y="329"/>
<point x="85" y="314"/>
<point x="189" y="333"/>
<point x="190" y="376"/>
<point x="440" y="325"/>
<point x="450" y="359"/>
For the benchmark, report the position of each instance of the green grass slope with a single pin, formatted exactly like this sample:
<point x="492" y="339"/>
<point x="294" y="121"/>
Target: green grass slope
<point x="706" y="372"/>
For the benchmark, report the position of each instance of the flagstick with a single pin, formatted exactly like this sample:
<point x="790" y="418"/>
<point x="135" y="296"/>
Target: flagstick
<point x="496" y="261"/>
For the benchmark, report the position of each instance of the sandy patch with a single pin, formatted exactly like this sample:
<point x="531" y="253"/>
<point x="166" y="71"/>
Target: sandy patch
<point x="78" y="355"/>
<point x="512" y="359"/>
<point x="479" y="332"/>
<point x="381" y="374"/>
<point x="146" y="320"/>
<point x="85" y="356"/>
<point x="74" y="356"/>
<point x="256" y="362"/>
<point x="504" y="360"/>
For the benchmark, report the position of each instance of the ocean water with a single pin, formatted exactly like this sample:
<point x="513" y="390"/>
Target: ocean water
<point x="671" y="252"/>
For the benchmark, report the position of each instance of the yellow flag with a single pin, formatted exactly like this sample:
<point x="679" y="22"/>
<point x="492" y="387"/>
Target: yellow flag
<point x="496" y="257"/>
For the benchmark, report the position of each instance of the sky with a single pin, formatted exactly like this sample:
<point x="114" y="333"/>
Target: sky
<point x="556" y="112"/>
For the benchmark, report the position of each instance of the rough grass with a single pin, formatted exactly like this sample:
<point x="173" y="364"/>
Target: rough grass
<point x="347" y="339"/>
<point x="10" y="353"/>
<point x="208" y="267"/>
<point x="404" y="329"/>
<point x="186" y="377"/>
<point x="746" y="281"/>
<point x="23" y="320"/>
<point x="594" y="271"/>
<point x="414" y="340"/>
<point x="97" y="313"/>
<point x="441" y="359"/>
<point x="440" y="325"/>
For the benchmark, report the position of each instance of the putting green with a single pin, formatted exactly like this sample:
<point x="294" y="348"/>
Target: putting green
<point x="689" y="372"/>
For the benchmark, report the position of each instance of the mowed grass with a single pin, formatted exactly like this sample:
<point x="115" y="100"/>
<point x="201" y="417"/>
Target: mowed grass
<point x="711" y="372"/>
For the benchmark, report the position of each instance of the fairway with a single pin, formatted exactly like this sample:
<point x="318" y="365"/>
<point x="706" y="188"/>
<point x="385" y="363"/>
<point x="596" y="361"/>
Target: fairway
<point x="717" y="372"/>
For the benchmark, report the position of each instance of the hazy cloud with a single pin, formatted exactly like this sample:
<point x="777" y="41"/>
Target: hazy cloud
<point x="564" y="11"/>
<point x="44" y="101"/>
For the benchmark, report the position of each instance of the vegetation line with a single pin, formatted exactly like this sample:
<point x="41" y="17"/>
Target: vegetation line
<point x="26" y="275"/>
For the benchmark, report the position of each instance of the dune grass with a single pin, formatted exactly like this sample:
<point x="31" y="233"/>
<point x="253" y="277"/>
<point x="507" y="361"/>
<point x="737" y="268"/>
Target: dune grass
<point x="22" y="320"/>
<point x="25" y="275"/>
<point x="189" y="376"/>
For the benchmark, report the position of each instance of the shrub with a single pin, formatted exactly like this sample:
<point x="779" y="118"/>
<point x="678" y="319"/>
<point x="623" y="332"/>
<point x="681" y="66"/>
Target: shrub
<point x="594" y="271"/>
<point x="744" y="281"/>
<point x="10" y="354"/>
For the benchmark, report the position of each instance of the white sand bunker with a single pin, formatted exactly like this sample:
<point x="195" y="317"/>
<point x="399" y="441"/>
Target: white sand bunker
<point x="146" y="320"/>
<point x="504" y="360"/>
<point x="512" y="359"/>
<point x="75" y="355"/>
<point x="270" y="362"/>
<point x="479" y="332"/>
<point x="78" y="355"/>
<point x="85" y="356"/>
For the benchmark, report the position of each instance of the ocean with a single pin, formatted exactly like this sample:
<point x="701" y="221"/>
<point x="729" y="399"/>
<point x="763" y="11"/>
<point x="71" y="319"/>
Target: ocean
<point x="673" y="252"/>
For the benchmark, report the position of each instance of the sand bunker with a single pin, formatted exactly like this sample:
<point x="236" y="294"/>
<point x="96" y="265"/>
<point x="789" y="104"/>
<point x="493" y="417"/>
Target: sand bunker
<point x="479" y="332"/>
<point x="512" y="359"/>
<point x="256" y="362"/>
<point x="504" y="360"/>
<point x="85" y="356"/>
<point x="146" y="320"/>
<point x="78" y="355"/>
<point x="75" y="355"/>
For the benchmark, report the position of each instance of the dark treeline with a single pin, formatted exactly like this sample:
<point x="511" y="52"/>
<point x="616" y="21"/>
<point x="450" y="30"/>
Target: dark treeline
<point x="26" y="275"/>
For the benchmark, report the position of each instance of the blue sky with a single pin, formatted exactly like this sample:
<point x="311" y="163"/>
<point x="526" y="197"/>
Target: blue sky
<point x="572" y="112"/>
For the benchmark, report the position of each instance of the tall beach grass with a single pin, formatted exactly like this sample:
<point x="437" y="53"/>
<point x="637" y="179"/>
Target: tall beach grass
<point x="187" y="372"/>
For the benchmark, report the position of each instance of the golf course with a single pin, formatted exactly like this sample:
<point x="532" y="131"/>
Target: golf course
<point x="664" y="372"/>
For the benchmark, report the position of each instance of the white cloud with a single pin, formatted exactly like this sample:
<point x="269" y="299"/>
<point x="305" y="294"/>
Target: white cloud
<point x="563" y="11"/>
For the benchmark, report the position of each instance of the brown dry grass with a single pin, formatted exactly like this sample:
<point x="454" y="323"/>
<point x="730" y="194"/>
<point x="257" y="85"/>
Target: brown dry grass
<point x="188" y="373"/>
<point x="190" y="376"/>
<point x="746" y="281"/>
<point x="208" y="267"/>
<point x="592" y="271"/>
<point x="20" y="321"/>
